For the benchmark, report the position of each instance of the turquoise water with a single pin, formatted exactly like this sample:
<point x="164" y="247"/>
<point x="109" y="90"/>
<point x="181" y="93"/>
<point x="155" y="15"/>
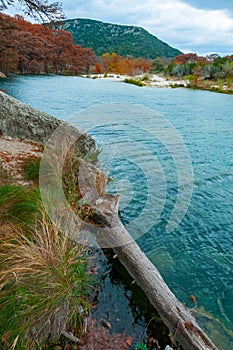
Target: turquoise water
<point x="197" y="257"/>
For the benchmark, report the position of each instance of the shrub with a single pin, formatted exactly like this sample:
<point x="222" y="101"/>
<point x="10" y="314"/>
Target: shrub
<point x="145" y="78"/>
<point x="189" y="77"/>
<point x="44" y="285"/>
<point x="137" y="82"/>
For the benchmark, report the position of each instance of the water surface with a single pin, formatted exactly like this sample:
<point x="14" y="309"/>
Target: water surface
<point x="197" y="257"/>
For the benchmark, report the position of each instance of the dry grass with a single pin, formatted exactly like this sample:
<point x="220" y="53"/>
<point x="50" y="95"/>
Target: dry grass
<point x="44" y="280"/>
<point x="43" y="283"/>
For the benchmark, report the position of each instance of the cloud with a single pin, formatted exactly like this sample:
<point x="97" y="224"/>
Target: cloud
<point x="213" y="4"/>
<point x="175" y="22"/>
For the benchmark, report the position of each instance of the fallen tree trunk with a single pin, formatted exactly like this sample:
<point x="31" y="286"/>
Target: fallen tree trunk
<point x="174" y="314"/>
<point x="181" y="323"/>
<point x="104" y="224"/>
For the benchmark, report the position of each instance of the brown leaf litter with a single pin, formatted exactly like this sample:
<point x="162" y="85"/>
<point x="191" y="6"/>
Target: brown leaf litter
<point x="14" y="154"/>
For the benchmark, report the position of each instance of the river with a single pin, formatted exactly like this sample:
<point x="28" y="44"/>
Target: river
<point x="195" y="257"/>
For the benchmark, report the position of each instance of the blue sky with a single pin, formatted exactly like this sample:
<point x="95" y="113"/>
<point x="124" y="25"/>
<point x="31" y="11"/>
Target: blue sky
<point x="200" y="26"/>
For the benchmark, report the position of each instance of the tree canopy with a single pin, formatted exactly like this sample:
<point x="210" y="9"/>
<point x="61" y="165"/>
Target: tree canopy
<point x="28" y="48"/>
<point x="40" y="9"/>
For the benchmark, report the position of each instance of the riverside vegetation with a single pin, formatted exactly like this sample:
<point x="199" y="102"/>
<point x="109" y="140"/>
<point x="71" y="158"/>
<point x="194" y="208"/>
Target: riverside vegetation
<point x="44" y="276"/>
<point x="212" y="72"/>
<point x="46" y="279"/>
<point x="28" y="48"/>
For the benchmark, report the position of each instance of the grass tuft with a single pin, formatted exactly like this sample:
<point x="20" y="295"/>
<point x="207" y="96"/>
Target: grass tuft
<point x="44" y="285"/>
<point x="19" y="204"/>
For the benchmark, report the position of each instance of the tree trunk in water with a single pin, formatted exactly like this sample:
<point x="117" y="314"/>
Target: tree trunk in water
<point x="181" y="323"/>
<point x="174" y="314"/>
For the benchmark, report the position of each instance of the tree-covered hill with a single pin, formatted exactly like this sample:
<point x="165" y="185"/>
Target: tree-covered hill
<point x="124" y="40"/>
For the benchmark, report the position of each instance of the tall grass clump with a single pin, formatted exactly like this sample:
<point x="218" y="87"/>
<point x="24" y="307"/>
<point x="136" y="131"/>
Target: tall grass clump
<point x="44" y="285"/>
<point x="20" y="205"/>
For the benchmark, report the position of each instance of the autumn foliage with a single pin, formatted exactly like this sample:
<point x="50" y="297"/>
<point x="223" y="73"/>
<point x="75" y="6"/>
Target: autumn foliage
<point x="189" y="58"/>
<point x="114" y="63"/>
<point x="28" y="48"/>
<point x="36" y="49"/>
<point x="211" y="67"/>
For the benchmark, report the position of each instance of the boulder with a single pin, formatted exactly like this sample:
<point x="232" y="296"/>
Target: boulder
<point x="20" y="121"/>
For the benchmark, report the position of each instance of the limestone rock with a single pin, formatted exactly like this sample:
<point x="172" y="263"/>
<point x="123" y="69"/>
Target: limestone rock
<point x="20" y="121"/>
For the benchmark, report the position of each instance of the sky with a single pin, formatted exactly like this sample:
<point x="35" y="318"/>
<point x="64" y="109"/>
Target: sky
<point x="200" y="26"/>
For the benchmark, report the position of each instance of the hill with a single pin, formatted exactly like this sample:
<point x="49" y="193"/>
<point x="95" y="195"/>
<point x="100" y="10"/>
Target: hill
<point x="122" y="39"/>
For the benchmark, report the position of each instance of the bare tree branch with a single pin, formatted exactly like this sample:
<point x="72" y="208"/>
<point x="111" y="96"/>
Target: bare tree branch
<point x="39" y="9"/>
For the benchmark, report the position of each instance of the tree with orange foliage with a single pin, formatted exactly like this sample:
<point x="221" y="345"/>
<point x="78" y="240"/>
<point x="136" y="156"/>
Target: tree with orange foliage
<point x="186" y="58"/>
<point x="34" y="48"/>
<point x="98" y="68"/>
<point x="189" y="58"/>
<point x="113" y="63"/>
<point x="8" y="43"/>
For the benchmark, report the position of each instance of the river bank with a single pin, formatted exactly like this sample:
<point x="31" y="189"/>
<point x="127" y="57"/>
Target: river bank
<point x="147" y="79"/>
<point x="221" y="86"/>
<point x="158" y="81"/>
<point x="114" y="290"/>
<point x="114" y="298"/>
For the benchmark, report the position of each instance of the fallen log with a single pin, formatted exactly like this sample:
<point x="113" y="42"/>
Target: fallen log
<point x="181" y="323"/>
<point x="174" y="314"/>
<point x="110" y="232"/>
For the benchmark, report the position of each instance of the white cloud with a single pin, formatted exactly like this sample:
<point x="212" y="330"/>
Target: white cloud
<point x="191" y="28"/>
<point x="177" y="23"/>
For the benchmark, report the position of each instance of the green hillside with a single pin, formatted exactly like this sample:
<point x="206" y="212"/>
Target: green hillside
<point x="124" y="40"/>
